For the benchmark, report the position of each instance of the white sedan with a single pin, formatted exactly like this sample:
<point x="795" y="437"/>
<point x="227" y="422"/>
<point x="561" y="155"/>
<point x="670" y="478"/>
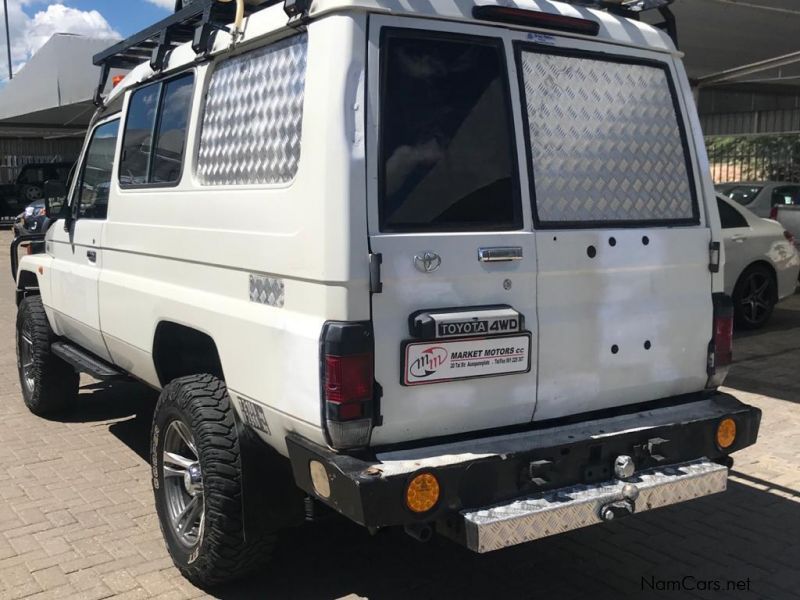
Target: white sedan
<point x="761" y="263"/>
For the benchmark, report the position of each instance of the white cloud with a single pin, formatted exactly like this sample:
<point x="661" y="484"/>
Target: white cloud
<point x="28" y="34"/>
<point x="166" y="4"/>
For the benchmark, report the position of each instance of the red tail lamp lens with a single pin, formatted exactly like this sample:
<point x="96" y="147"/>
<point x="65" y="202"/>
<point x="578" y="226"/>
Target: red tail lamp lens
<point x="348" y="383"/>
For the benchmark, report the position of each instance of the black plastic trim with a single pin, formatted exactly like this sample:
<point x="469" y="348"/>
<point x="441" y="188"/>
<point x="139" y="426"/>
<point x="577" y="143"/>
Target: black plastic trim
<point x="422" y="326"/>
<point x="519" y="48"/>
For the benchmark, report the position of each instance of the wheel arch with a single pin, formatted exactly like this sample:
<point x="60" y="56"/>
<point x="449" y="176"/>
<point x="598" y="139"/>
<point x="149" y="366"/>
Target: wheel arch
<point x="180" y="350"/>
<point x="760" y="263"/>
<point x="27" y="285"/>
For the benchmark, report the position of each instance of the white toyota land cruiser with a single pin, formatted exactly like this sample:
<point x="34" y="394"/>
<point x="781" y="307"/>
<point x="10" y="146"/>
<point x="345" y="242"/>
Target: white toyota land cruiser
<point x="452" y="266"/>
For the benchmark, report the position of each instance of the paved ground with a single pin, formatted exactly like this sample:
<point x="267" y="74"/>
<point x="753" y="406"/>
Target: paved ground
<point x="77" y="521"/>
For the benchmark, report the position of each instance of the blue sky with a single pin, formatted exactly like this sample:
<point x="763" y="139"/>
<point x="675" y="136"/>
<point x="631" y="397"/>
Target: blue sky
<point x="125" y="16"/>
<point x="33" y="22"/>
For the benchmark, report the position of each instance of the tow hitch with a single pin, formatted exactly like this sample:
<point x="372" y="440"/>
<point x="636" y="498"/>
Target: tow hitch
<point x="621" y="508"/>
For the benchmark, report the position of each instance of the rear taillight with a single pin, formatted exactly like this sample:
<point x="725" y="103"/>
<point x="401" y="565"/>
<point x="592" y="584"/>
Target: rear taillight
<point x="534" y="18"/>
<point x="348" y="383"/>
<point x="720" y="349"/>
<point x="773" y="213"/>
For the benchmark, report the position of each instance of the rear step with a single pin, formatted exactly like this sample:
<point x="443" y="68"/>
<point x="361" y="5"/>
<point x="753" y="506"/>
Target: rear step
<point x="85" y="362"/>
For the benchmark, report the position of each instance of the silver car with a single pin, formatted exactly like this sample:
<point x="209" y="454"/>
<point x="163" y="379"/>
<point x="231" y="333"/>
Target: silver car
<point x="761" y="197"/>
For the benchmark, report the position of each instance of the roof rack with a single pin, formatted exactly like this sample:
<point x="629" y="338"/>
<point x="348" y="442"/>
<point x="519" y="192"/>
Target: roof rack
<point x="196" y="22"/>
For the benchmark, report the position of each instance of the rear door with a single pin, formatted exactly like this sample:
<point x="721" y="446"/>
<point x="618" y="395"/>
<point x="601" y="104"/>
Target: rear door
<point x="624" y="287"/>
<point x="454" y="322"/>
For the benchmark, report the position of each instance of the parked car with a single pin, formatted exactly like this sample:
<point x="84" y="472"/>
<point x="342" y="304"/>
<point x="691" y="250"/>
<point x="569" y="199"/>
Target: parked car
<point x="407" y="327"/>
<point x="29" y="186"/>
<point x="761" y="198"/>
<point x="762" y="263"/>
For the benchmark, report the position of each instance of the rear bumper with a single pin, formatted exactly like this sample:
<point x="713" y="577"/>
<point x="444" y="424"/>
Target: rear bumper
<point x="506" y="469"/>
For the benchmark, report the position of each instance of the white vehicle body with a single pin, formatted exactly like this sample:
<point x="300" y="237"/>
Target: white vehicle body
<point x="757" y="240"/>
<point x="579" y="227"/>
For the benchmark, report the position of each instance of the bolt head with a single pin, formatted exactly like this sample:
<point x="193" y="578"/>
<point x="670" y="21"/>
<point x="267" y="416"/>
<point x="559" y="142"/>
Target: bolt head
<point x="624" y="466"/>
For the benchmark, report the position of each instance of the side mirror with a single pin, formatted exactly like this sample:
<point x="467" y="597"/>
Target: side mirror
<point x="55" y="195"/>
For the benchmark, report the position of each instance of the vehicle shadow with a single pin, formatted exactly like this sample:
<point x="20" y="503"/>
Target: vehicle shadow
<point x="744" y="534"/>
<point x="127" y="404"/>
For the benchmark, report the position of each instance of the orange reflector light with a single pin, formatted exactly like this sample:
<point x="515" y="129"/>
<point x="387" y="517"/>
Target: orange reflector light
<point x="422" y="493"/>
<point x="726" y="433"/>
<point x="116" y="79"/>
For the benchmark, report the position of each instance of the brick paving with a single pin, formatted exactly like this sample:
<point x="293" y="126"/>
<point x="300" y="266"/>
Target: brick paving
<point x="77" y="518"/>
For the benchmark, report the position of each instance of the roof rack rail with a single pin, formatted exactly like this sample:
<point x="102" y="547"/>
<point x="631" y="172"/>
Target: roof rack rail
<point x="194" y="21"/>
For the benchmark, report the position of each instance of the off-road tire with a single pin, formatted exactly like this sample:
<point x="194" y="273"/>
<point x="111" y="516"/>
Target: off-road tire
<point x="54" y="382"/>
<point x="227" y="546"/>
<point x="745" y="317"/>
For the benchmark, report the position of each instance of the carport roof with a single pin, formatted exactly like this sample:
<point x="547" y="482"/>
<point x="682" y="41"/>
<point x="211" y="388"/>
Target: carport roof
<point x="53" y="91"/>
<point x="718" y="35"/>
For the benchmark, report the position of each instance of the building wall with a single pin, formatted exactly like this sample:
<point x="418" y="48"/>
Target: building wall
<point x="17" y="152"/>
<point x="738" y="112"/>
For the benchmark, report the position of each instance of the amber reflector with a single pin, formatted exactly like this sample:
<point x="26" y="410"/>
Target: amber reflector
<point x="726" y="433"/>
<point x="422" y="493"/>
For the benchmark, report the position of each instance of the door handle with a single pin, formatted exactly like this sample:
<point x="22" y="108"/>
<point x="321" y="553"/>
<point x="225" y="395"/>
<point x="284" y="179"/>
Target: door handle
<point x="500" y="254"/>
<point x="739" y="238"/>
<point x="91" y="255"/>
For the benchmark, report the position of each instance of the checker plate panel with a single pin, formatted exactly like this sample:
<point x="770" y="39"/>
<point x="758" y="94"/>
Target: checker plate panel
<point x="574" y="507"/>
<point x="606" y="144"/>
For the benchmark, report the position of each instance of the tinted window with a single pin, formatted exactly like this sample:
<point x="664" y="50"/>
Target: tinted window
<point x="139" y="126"/>
<point x="446" y="149"/>
<point x="729" y="216"/>
<point x="95" y="180"/>
<point x="155" y="133"/>
<point x="786" y="196"/>
<point x="172" y="130"/>
<point x="743" y="194"/>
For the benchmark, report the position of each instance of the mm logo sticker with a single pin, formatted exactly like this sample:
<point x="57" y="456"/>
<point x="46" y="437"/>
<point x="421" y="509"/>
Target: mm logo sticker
<point x="429" y="361"/>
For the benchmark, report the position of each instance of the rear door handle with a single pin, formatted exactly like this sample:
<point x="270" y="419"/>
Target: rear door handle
<point x="500" y="254"/>
<point x="739" y="238"/>
<point x="91" y="255"/>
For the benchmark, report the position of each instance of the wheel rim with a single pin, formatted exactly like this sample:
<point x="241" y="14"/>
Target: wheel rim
<point x="33" y="193"/>
<point x="25" y="345"/>
<point x="183" y="484"/>
<point x="757" y="298"/>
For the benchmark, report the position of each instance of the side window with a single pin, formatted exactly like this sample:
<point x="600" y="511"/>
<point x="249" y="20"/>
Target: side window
<point x="253" y="117"/>
<point x="447" y="158"/>
<point x="95" y="182"/>
<point x="788" y="195"/>
<point x="155" y="133"/>
<point x="729" y="216"/>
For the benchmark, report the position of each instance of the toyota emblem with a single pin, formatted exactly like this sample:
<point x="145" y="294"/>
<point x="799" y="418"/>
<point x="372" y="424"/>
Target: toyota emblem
<point x="427" y="262"/>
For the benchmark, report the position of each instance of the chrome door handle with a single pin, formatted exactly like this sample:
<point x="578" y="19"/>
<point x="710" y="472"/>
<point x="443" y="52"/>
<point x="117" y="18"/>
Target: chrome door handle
<point x="500" y="254"/>
<point x="91" y="255"/>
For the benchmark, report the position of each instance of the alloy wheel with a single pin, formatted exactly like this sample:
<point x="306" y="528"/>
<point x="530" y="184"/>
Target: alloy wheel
<point x="183" y="484"/>
<point x="756" y="300"/>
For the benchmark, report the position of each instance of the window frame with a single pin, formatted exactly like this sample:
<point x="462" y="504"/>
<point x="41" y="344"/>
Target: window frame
<point x="519" y="47"/>
<point x="80" y="170"/>
<point x="162" y="83"/>
<point x="496" y="42"/>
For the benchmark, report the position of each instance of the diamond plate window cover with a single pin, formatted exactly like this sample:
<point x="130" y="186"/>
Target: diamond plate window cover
<point x="606" y="143"/>
<point x="252" y="122"/>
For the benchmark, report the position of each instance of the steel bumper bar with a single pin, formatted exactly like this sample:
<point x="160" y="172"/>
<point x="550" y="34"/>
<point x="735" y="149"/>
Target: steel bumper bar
<point x="579" y="506"/>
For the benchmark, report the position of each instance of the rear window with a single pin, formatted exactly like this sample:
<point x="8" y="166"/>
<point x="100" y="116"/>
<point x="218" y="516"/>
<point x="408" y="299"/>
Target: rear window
<point x="743" y="194"/>
<point x="607" y="146"/>
<point x="788" y="195"/>
<point x="729" y="217"/>
<point x="447" y="160"/>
